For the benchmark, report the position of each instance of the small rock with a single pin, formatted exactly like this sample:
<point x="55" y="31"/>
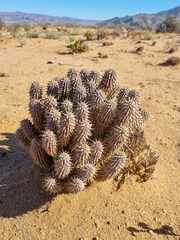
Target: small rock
<point x="2" y="154"/>
<point x="140" y="49"/>
<point x="4" y="75"/>
<point x="50" y="62"/>
<point x="150" y="231"/>
<point x="134" y="234"/>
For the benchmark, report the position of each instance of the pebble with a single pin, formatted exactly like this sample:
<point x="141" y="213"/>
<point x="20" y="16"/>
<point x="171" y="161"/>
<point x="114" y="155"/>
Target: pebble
<point x="134" y="234"/>
<point x="150" y="231"/>
<point x="50" y="62"/>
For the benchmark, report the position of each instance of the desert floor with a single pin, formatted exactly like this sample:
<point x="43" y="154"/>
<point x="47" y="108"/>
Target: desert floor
<point x="148" y="210"/>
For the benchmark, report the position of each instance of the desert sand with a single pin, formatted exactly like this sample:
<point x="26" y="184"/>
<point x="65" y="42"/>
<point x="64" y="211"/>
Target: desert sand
<point x="147" y="210"/>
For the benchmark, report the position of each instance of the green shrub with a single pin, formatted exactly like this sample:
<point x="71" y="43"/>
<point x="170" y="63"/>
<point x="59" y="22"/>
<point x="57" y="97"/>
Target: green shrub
<point x="89" y="35"/>
<point x="33" y="34"/>
<point x="22" y="43"/>
<point x="76" y="31"/>
<point x="52" y="35"/>
<point x="78" y="46"/>
<point x="150" y="35"/>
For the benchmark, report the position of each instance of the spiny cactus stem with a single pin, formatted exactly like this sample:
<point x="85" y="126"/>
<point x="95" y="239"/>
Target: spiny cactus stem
<point x="128" y="148"/>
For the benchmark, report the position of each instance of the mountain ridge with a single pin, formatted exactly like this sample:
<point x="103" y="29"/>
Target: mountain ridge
<point x="138" y="20"/>
<point x="143" y="19"/>
<point x="34" y="18"/>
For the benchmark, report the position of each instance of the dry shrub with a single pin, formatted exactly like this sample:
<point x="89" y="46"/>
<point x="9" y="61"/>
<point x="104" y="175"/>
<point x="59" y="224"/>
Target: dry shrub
<point x="102" y="33"/>
<point x="141" y="159"/>
<point x="171" y="47"/>
<point x="172" y="61"/>
<point x="171" y="24"/>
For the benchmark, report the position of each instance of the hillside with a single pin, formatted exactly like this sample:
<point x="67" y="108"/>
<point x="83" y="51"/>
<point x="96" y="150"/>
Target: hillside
<point x="143" y="19"/>
<point x="139" y="20"/>
<point x="11" y="17"/>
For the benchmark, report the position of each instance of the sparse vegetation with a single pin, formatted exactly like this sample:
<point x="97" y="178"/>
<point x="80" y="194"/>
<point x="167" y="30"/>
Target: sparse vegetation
<point x="172" y="61"/>
<point x="89" y="35"/>
<point x="76" y="31"/>
<point x="52" y="35"/>
<point x="22" y="43"/>
<point x="150" y="35"/>
<point x="2" y="24"/>
<point x="102" y="33"/>
<point x="171" y="47"/>
<point x="171" y="24"/>
<point x="33" y="34"/>
<point x="78" y="46"/>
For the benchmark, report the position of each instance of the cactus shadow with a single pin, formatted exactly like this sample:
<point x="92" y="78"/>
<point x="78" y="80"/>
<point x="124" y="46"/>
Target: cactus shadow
<point x="21" y="187"/>
<point x="163" y="230"/>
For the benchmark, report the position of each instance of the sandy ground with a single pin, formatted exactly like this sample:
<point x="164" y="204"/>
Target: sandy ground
<point x="149" y="210"/>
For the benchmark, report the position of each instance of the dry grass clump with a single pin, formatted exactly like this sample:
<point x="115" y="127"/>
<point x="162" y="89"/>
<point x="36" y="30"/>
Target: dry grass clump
<point x="85" y="127"/>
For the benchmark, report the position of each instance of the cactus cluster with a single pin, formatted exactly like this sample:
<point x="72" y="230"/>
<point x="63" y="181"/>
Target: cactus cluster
<point x="85" y="128"/>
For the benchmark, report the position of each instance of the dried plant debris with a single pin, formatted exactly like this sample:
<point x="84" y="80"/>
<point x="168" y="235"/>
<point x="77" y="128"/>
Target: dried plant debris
<point x="172" y="61"/>
<point x="141" y="160"/>
<point x="84" y="127"/>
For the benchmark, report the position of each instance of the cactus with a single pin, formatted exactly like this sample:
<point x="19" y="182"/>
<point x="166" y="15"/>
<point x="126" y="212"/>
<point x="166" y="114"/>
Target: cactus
<point x="86" y="172"/>
<point x="52" y="185"/>
<point x="86" y="128"/>
<point x="49" y="142"/>
<point x="74" y="185"/>
<point x="113" y="167"/>
<point x="39" y="155"/>
<point x="62" y="165"/>
<point x="53" y="88"/>
<point x="36" y="91"/>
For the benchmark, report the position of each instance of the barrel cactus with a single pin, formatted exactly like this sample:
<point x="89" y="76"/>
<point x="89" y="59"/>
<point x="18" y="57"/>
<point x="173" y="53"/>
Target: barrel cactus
<point x="86" y="127"/>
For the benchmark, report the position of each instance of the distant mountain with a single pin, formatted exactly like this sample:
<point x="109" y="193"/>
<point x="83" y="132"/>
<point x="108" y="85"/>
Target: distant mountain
<point x="139" y="20"/>
<point x="10" y="17"/>
<point x="143" y="19"/>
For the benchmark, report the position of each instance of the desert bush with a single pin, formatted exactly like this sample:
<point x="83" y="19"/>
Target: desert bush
<point x="172" y="61"/>
<point x="72" y="39"/>
<point x="14" y="27"/>
<point x="89" y="35"/>
<point x="2" y="24"/>
<point x="102" y="33"/>
<point x="171" y="47"/>
<point x="46" y="25"/>
<point x="86" y="128"/>
<point x="75" y="31"/>
<point x="33" y="34"/>
<point x="52" y="35"/>
<point x="171" y="24"/>
<point x="79" y="46"/>
<point x="150" y="35"/>
<point x="22" y="43"/>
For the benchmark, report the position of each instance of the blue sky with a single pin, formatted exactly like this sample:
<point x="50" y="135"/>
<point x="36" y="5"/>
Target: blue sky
<point x="88" y="9"/>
